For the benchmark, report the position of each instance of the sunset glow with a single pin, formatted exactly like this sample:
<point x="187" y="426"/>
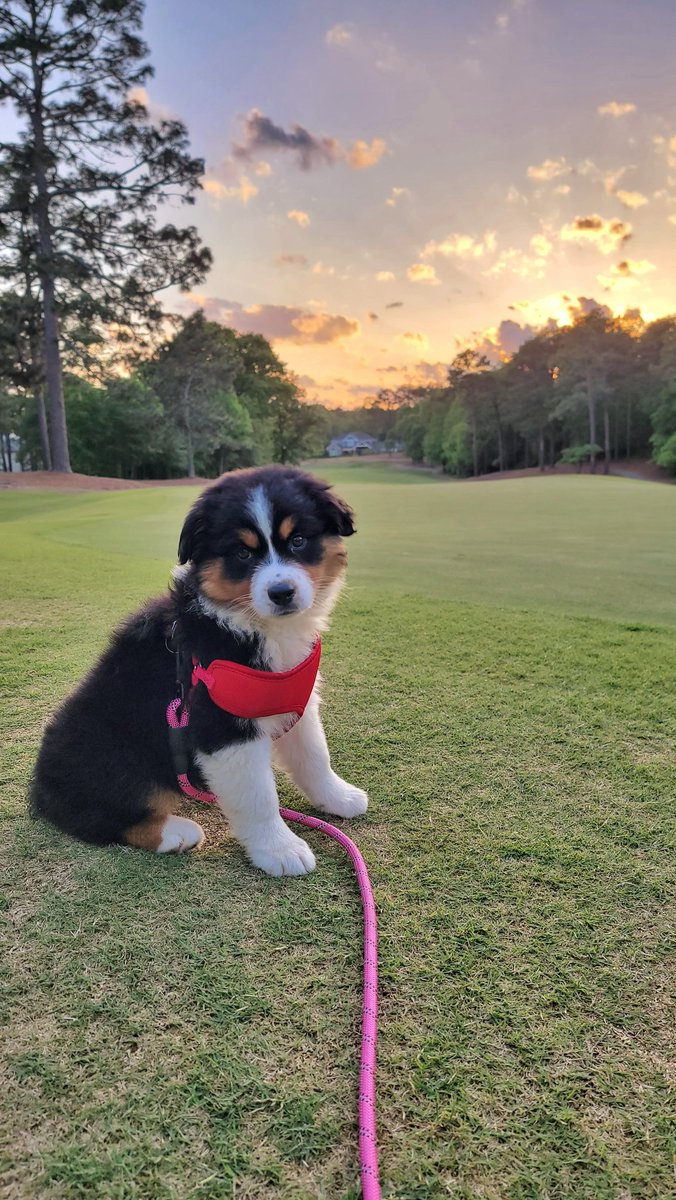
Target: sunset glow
<point x="386" y="183"/>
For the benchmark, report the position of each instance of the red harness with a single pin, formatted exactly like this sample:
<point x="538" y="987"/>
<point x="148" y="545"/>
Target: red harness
<point x="247" y="693"/>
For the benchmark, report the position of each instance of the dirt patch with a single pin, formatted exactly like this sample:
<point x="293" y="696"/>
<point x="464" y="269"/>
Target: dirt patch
<point x="61" y="482"/>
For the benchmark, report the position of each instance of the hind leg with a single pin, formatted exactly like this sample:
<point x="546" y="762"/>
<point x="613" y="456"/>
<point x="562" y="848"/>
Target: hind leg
<point x="163" y="832"/>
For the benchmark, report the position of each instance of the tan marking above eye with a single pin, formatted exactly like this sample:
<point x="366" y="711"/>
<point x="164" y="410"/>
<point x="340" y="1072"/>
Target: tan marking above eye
<point x="249" y="538"/>
<point x="287" y="527"/>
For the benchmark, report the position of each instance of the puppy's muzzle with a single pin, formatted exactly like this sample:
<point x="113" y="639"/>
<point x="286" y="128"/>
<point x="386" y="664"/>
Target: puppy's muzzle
<point x="283" y="595"/>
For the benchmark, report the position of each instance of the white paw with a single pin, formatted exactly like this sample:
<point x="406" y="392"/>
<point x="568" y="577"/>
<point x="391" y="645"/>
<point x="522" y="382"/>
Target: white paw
<point x="341" y="799"/>
<point x="179" y="834"/>
<point x="284" y="854"/>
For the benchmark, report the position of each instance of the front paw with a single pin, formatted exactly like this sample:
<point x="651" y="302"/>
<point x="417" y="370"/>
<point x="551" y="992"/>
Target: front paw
<point x="341" y="799"/>
<point x="284" y="854"/>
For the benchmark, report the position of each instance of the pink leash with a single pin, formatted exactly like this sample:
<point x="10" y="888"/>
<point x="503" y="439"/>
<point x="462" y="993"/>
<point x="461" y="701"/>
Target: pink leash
<point x="368" y="1145"/>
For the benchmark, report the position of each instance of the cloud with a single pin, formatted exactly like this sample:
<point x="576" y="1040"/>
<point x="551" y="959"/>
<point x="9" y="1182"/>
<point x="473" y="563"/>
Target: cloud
<point x="625" y="272"/>
<point x="364" y="154"/>
<point x="279" y="322"/>
<point x="301" y="218"/>
<point x="632" y="199"/>
<point x="244" y="190"/>
<point x="462" y="245"/>
<point x="672" y="218"/>
<point x="400" y="303"/>
<point x="563" y="189"/>
<point x="414" y="339"/>
<point x="157" y="113"/>
<point x="605" y="235"/>
<point x="323" y="327"/>
<point x="339" y="35"/>
<point x="373" y="316"/>
<point x="613" y="109"/>
<point x="541" y="245"/>
<point x="514" y="196"/>
<point x="551" y="168"/>
<point x="423" y="273"/>
<point x="262" y="168"/>
<point x="291" y="260"/>
<point x="319" y="268"/>
<point x="500" y="342"/>
<point x="396" y="194"/>
<point x="261" y="134"/>
<point x="384" y="276"/>
<point x="520" y="264"/>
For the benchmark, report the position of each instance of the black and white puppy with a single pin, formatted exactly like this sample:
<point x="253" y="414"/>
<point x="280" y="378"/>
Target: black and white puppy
<point x="262" y="563"/>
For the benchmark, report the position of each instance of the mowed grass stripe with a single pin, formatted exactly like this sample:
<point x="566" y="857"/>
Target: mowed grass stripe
<point x="190" y="1028"/>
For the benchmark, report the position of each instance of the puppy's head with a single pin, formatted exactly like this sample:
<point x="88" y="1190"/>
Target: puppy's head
<point x="267" y="542"/>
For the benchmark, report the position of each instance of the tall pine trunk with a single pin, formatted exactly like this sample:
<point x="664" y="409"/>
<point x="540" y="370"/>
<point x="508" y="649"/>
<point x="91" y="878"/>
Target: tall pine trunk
<point x="52" y="353"/>
<point x="475" y="450"/>
<point x="606" y="439"/>
<point x="541" y="449"/>
<point x="42" y="426"/>
<point x="591" y="406"/>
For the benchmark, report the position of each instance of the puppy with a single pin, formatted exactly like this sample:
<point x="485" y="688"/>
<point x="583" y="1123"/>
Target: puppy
<point x="262" y="563"/>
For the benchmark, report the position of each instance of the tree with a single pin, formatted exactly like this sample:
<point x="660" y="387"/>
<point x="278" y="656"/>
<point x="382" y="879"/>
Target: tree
<point x="190" y="374"/>
<point x="292" y="422"/>
<point x="89" y="171"/>
<point x="466" y="378"/>
<point x="529" y="377"/>
<point x="590" y="357"/>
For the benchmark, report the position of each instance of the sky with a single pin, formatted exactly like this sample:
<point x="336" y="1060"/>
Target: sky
<point x="389" y="181"/>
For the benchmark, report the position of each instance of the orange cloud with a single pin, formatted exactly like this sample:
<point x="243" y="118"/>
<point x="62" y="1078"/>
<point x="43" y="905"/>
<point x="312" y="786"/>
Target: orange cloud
<point x="462" y="245"/>
<point x="423" y="273"/>
<point x="338" y="35"/>
<point x="632" y="199"/>
<point x="364" y="154"/>
<point x="625" y="271"/>
<point x="613" y="109"/>
<point x="244" y="190"/>
<point x="278" y="322"/>
<point x="301" y="218"/>
<point x="551" y="168"/>
<point x="384" y="276"/>
<point x="417" y="340"/>
<point x="605" y="235"/>
<point x="396" y="194"/>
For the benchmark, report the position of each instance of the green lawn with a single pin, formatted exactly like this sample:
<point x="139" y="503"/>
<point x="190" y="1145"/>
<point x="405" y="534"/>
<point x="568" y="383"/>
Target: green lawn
<point x="500" y="676"/>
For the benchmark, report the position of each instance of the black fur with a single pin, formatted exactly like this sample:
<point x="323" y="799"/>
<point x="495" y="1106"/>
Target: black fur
<point x="107" y="749"/>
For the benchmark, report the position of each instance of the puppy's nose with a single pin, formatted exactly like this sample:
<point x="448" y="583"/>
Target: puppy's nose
<point x="281" y="594"/>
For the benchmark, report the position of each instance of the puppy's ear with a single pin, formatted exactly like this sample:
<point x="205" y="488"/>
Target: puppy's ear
<point x="338" y="515"/>
<point x="192" y="533"/>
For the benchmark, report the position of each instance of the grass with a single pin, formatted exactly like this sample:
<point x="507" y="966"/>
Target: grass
<point x="499" y="675"/>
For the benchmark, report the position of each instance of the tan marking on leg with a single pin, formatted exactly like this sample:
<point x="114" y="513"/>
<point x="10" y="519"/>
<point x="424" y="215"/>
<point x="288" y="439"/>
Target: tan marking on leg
<point x="147" y="835"/>
<point x="249" y="538"/>
<point x="287" y="527"/>
<point x="332" y="563"/>
<point x="216" y="585"/>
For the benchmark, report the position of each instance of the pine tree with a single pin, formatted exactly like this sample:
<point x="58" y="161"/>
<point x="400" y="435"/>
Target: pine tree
<point x="90" y="170"/>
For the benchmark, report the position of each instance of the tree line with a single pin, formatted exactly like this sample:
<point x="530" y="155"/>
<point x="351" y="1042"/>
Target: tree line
<point x="600" y="389"/>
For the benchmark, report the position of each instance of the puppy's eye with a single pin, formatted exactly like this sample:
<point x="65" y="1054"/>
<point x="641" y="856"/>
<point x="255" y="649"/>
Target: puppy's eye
<point x="298" y="542"/>
<point x="243" y="553"/>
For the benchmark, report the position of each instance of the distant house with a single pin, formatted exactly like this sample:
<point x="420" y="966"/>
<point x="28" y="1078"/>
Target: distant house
<point x="354" y="443"/>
